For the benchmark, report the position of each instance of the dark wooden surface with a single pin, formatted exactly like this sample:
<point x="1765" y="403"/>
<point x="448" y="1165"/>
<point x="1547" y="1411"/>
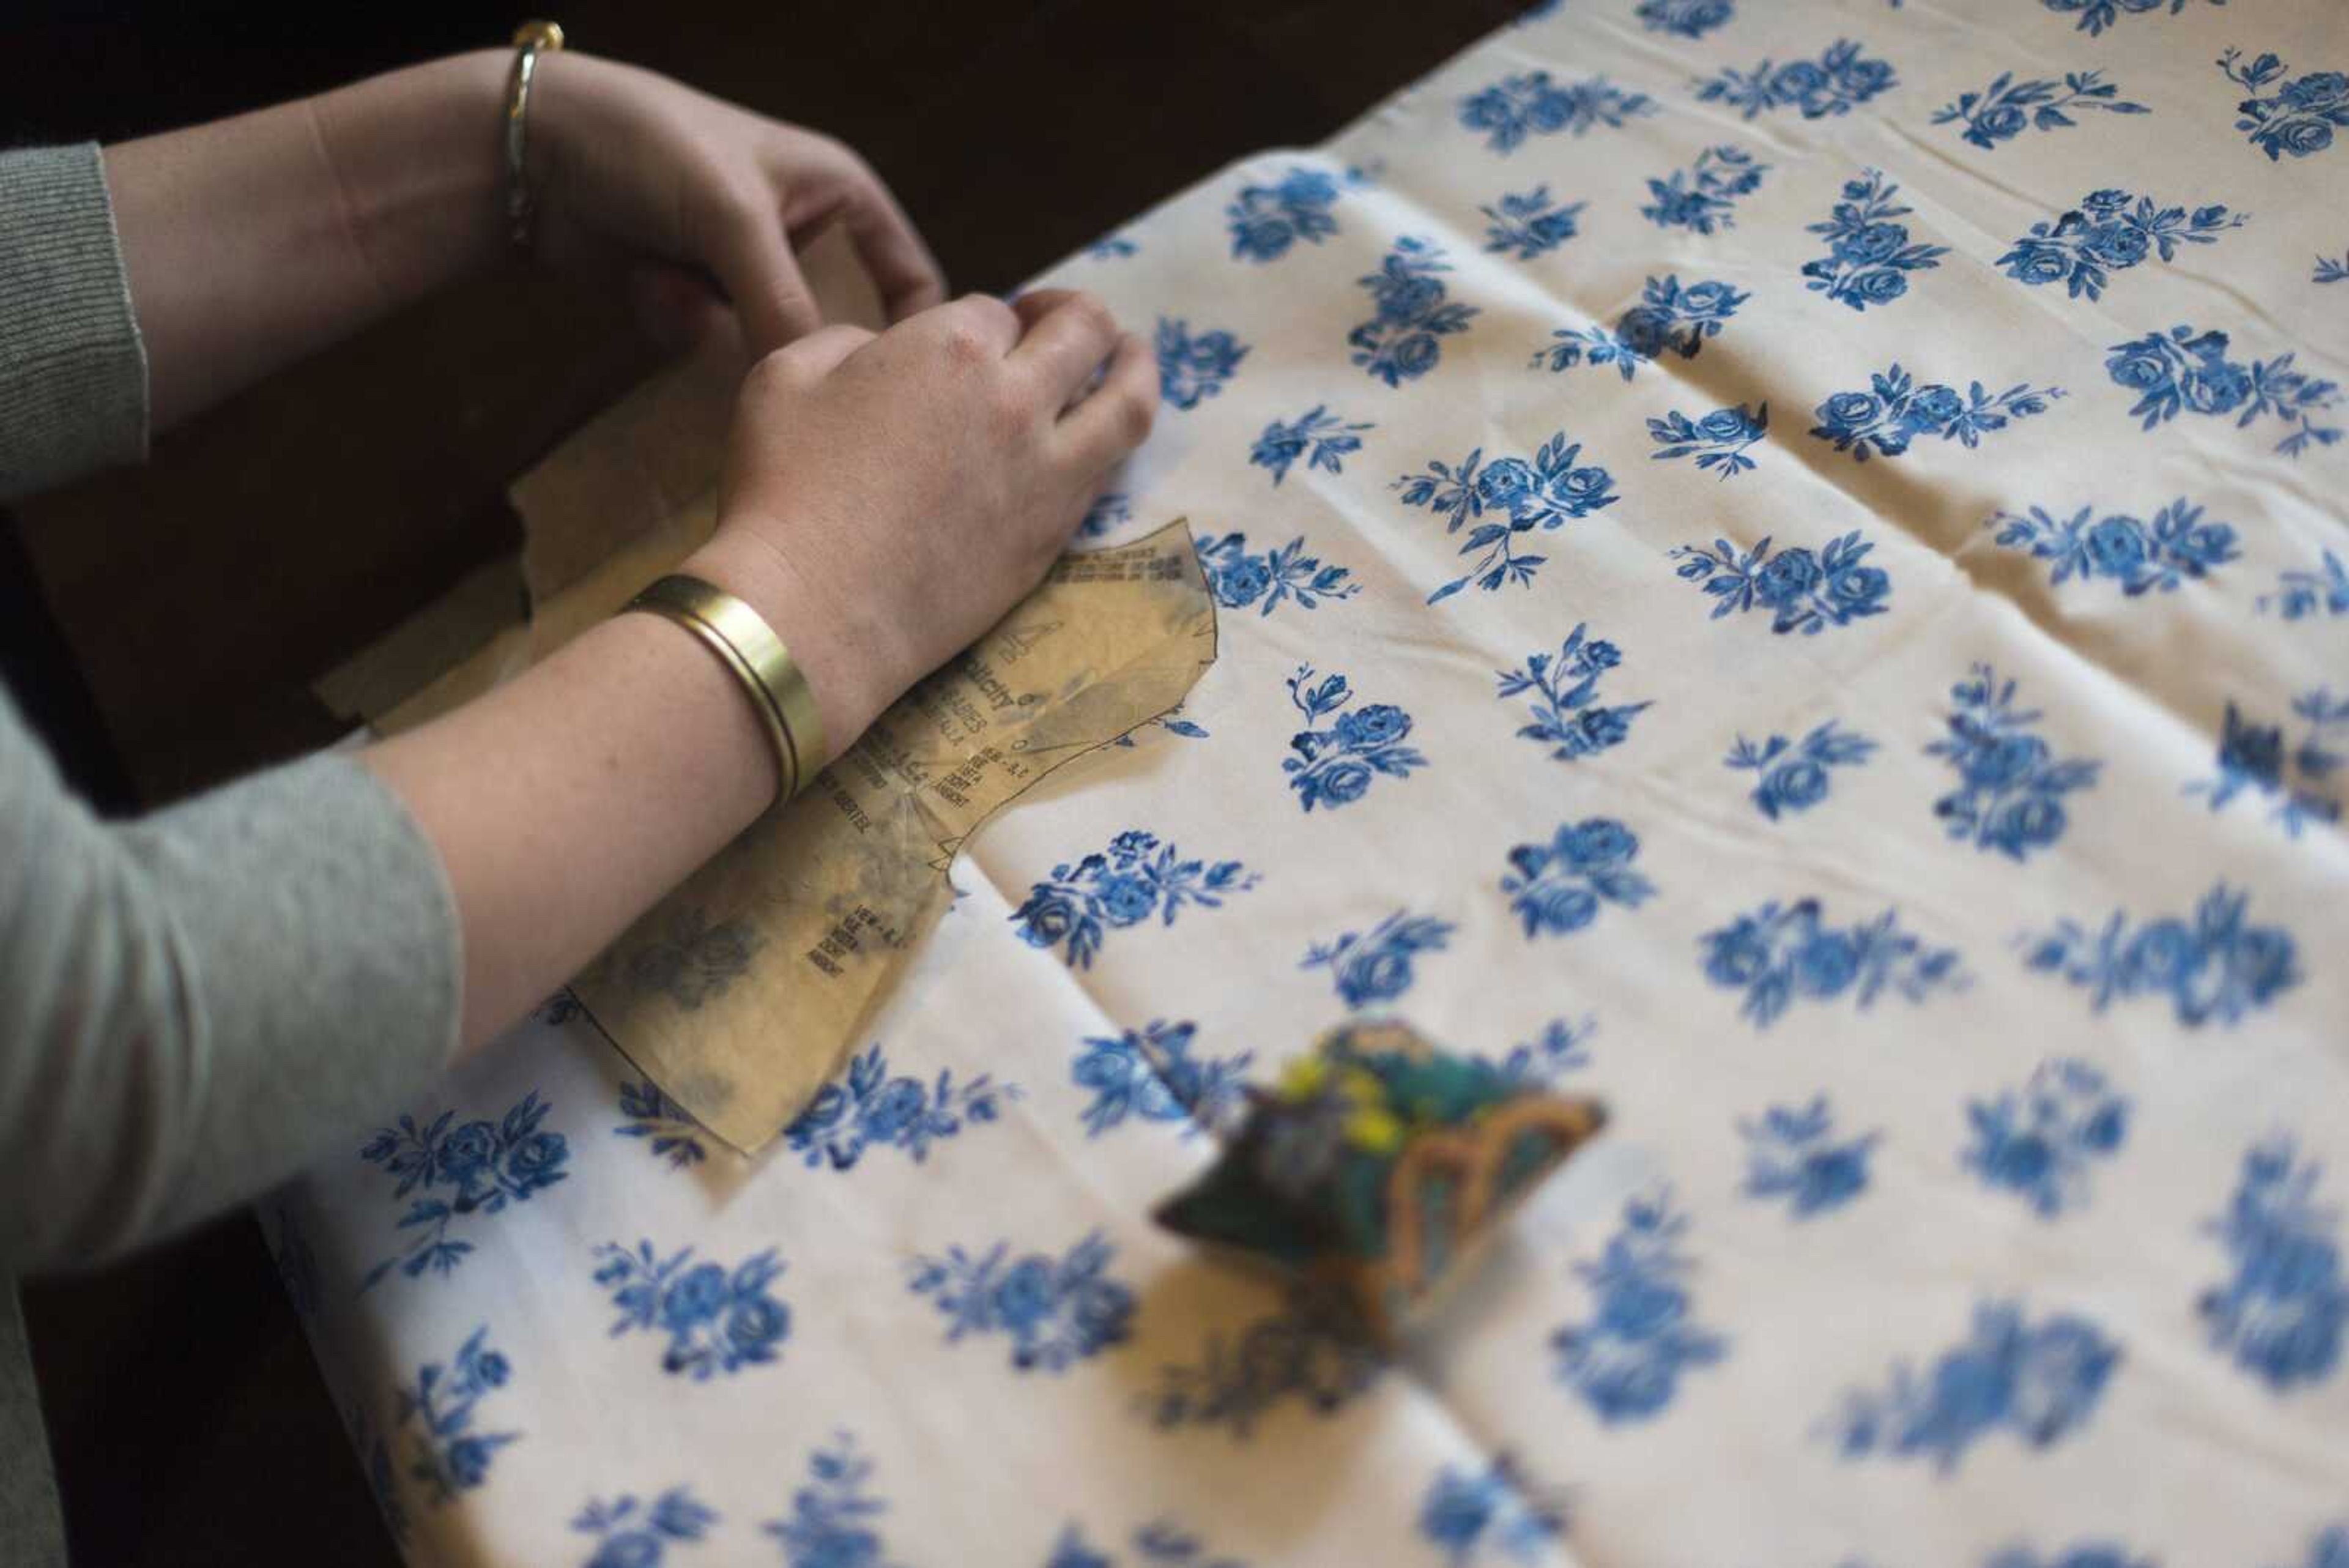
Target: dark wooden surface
<point x="175" y="617"/>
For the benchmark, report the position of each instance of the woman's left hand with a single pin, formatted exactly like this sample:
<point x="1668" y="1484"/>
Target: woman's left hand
<point x="712" y="198"/>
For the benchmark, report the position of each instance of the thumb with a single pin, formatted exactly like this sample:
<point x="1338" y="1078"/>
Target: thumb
<point x="753" y="258"/>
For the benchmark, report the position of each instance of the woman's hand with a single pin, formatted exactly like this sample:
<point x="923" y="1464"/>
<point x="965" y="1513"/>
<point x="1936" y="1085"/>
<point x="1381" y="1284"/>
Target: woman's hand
<point x="253" y="241"/>
<point x="620" y="156"/>
<point x="887" y="499"/>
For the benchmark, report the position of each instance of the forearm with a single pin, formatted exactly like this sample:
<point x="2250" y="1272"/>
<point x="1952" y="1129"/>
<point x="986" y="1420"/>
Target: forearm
<point x="566" y="803"/>
<point x="254" y="241"/>
<point x="193" y="1004"/>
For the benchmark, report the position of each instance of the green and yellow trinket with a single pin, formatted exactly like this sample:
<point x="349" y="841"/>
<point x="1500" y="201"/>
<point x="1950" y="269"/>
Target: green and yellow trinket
<point x="1378" y="1164"/>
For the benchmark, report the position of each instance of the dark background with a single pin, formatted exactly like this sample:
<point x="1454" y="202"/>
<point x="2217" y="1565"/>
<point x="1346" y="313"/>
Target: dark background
<point x="162" y="627"/>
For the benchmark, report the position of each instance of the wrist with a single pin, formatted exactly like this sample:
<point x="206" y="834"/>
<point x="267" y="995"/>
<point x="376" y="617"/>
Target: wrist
<point x="840" y="660"/>
<point x="417" y="156"/>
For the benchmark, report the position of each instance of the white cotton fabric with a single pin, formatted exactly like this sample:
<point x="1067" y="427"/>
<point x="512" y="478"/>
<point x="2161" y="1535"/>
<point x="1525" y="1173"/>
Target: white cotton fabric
<point x="2183" y="1453"/>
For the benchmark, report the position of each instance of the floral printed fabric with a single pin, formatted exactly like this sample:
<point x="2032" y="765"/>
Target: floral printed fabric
<point x="1783" y="567"/>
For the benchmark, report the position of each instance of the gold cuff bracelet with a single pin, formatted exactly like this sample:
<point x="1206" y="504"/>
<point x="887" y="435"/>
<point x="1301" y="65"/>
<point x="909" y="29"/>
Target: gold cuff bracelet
<point x="744" y="642"/>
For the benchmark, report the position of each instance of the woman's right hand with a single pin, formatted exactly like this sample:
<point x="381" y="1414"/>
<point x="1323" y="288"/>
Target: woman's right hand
<point x="888" y="498"/>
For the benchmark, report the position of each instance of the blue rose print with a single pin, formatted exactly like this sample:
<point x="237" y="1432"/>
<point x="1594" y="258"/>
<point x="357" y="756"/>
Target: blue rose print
<point x="1192" y="368"/>
<point x="1627" y="1360"/>
<point x="1490" y="1514"/>
<point x="1868" y="257"/>
<point x="2297" y="782"/>
<point x="1403" y="341"/>
<point x="1558" y="1050"/>
<point x="832" y="1516"/>
<point x="1056" y="1312"/>
<point x="1514" y="497"/>
<point x="2329" y="270"/>
<point x="717" y="1321"/>
<point x="673" y="1133"/>
<point x="2139" y="555"/>
<point x="2298" y="118"/>
<point x="1718" y="441"/>
<point x="1105" y="513"/>
<point x="2216" y="966"/>
<point x="2186" y="371"/>
<point x="1328" y="439"/>
<point x="1558" y="888"/>
<point x="1528" y="224"/>
<point x="1792" y="1152"/>
<point x="1895" y="411"/>
<point x="1240" y="578"/>
<point x="1686" y="18"/>
<point x="558" y="1009"/>
<point x="865" y="1108"/>
<point x="1795" y="776"/>
<point x="1568" y="716"/>
<point x="1162" y="1543"/>
<point x="1152" y="1074"/>
<point x="1310" y="1350"/>
<point x="2010" y="786"/>
<point x="1779" y="954"/>
<point x="1804" y="591"/>
<point x="1375" y="966"/>
<point x="1334" y="767"/>
<point x="2004" y="109"/>
<point x="2040" y="1383"/>
<point x="1266" y="220"/>
<point x="1123" y="886"/>
<point x="484" y="1166"/>
<point x="2087" y="1555"/>
<point x="2329" y="1549"/>
<point x="1703" y="196"/>
<point x="447" y="1456"/>
<point x="1838" y="81"/>
<point x="1532" y="104"/>
<point x="2103" y="234"/>
<point x="1669" y="318"/>
<point x="2096" y="16"/>
<point x="628" y="1536"/>
<point x="2281" y="1315"/>
<point x="2039" y="1141"/>
<point x="2314" y="593"/>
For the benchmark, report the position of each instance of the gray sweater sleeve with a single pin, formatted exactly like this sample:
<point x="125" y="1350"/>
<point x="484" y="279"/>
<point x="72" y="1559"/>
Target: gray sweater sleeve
<point x="73" y="369"/>
<point x="194" y="1005"/>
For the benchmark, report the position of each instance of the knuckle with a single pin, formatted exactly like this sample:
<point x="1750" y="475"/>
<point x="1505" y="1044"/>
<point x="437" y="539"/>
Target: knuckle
<point x="1137" y="413"/>
<point x="1094" y="316"/>
<point x="827" y="346"/>
<point x="830" y="149"/>
<point x="962" y="343"/>
<point x="773" y="372"/>
<point x="742" y="200"/>
<point x="970" y="329"/>
<point x="985" y="311"/>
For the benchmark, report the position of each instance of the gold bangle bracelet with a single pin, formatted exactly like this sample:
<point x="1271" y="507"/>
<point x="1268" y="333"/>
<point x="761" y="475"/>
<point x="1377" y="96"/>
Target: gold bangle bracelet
<point x="749" y="646"/>
<point x="530" y="40"/>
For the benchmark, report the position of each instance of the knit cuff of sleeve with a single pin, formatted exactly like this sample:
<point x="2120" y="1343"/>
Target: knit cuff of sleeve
<point x="321" y="947"/>
<point x="73" y="368"/>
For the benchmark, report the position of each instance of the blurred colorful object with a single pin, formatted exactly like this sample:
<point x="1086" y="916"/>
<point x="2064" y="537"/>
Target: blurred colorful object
<point x="1378" y="1164"/>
